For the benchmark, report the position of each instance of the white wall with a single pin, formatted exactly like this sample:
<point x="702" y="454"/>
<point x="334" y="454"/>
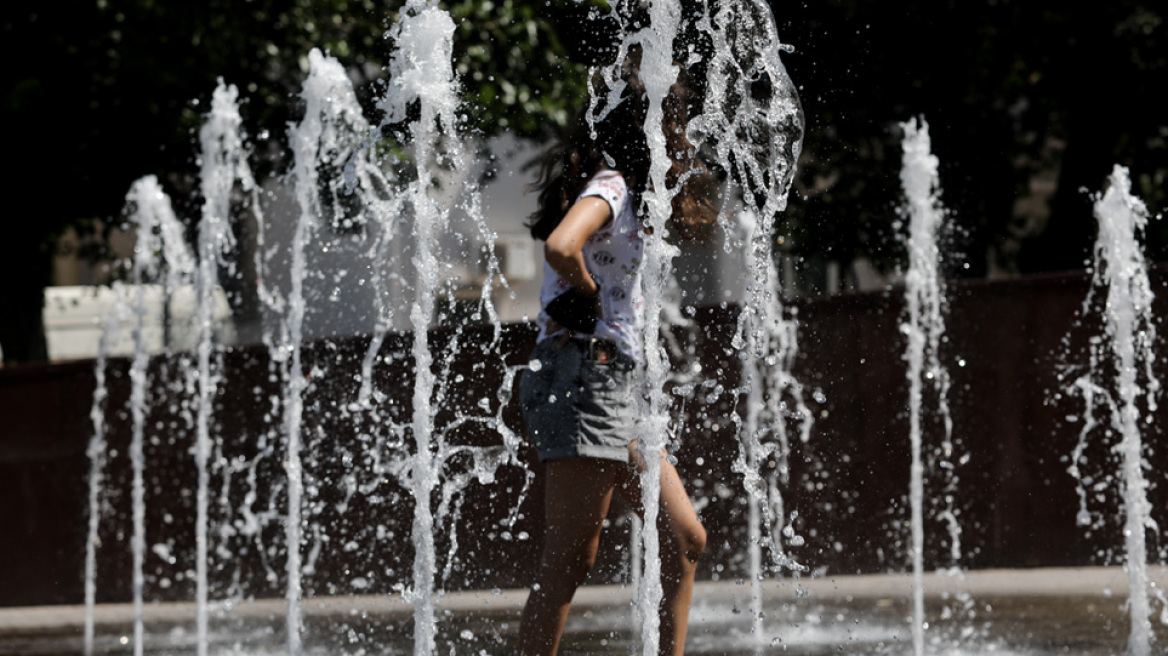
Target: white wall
<point x="76" y="317"/>
<point x="339" y="283"/>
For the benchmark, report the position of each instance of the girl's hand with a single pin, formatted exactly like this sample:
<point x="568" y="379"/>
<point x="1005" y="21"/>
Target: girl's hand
<point x="575" y="310"/>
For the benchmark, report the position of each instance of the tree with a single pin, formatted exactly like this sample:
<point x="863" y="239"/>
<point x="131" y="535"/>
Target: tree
<point x="109" y="91"/>
<point x="106" y="91"/>
<point x="1010" y="89"/>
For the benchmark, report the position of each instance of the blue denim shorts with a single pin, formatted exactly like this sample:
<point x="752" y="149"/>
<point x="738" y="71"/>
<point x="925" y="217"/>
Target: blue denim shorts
<point x="578" y="407"/>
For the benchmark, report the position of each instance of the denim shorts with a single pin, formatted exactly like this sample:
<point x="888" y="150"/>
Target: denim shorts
<point x="577" y="407"/>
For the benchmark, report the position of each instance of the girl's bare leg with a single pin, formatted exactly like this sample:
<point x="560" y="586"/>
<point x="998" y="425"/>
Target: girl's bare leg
<point x="578" y="494"/>
<point x="682" y="539"/>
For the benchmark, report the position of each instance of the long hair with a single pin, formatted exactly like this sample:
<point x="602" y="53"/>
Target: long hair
<point x="616" y="140"/>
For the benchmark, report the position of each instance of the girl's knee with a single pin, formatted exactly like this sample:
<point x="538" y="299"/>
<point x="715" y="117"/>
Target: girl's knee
<point x="578" y="568"/>
<point x="693" y="542"/>
<point x="571" y="566"/>
<point x="689" y="542"/>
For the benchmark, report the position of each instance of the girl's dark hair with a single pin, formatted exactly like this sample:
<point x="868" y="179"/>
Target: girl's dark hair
<point x="620" y="144"/>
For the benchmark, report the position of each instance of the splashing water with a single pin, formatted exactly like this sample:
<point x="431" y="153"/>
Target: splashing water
<point x="152" y="213"/>
<point x="309" y="140"/>
<point x="755" y="131"/>
<point x="223" y="166"/>
<point x="1121" y="384"/>
<point x="925" y="327"/>
<point x="159" y="240"/>
<point x="332" y="137"/>
<point x="96" y="452"/>
<point x="421" y="70"/>
<point x="753" y="121"/>
<point x="138" y="413"/>
<point x="658" y="74"/>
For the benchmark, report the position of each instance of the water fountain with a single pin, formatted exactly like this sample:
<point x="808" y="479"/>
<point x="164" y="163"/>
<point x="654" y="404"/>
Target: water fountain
<point x="224" y="165"/>
<point x="422" y="442"/>
<point x="159" y="240"/>
<point x="1120" y="388"/>
<point x="925" y="329"/>
<point x="754" y="99"/>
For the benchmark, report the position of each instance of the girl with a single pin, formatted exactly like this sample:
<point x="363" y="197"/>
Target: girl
<point x="579" y="394"/>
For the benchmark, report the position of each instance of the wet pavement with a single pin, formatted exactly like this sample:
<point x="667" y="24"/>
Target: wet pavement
<point x="1035" y="612"/>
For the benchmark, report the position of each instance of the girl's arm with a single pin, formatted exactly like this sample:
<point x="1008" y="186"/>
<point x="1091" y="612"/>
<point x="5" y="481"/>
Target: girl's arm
<point x="564" y="247"/>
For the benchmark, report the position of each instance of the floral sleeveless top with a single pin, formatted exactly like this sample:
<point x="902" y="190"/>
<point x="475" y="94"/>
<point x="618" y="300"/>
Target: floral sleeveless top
<point x="613" y="256"/>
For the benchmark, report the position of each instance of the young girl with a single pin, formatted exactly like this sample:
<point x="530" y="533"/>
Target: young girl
<point x="579" y="396"/>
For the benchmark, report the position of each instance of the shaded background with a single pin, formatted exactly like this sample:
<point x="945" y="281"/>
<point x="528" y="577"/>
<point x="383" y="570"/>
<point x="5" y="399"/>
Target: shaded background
<point x="1029" y="103"/>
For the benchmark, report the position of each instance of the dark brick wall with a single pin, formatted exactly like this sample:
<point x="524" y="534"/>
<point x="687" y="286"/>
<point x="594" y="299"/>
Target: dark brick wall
<point x="848" y="484"/>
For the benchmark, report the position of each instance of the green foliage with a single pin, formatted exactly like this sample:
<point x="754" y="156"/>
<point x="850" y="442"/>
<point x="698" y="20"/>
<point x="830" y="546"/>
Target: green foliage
<point x="132" y="77"/>
<point x="514" y="67"/>
<point x="1015" y="92"/>
<point x="99" y="93"/>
